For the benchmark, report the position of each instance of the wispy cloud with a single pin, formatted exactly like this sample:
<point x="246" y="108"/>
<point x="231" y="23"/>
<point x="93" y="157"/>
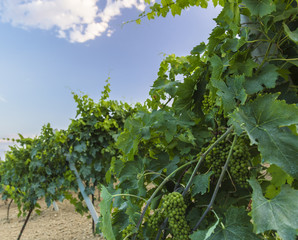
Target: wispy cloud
<point x="75" y="20"/>
<point x="2" y="99"/>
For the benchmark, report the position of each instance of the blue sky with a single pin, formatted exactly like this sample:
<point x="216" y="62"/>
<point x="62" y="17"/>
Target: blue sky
<point x="50" y="48"/>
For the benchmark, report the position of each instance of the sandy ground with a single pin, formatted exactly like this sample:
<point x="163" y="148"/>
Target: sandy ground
<point x="65" y="224"/>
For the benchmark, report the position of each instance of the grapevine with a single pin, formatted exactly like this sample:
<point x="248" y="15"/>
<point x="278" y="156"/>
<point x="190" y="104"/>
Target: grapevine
<point x="220" y="126"/>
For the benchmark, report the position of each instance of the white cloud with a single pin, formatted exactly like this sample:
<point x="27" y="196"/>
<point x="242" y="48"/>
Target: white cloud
<point x="75" y="20"/>
<point x="110" y="32"/>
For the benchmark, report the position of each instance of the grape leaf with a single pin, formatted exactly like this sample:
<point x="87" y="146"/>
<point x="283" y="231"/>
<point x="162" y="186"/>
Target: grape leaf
<point x="199" y="48"/>
<point x="262" y="119"/>
<point x="266" y="78"/>
<point x="132" y="175"/>
<point x="260" y="7"/>
<point x="81" y="147"/>
<point x="236" y="226"/>
<point x="279" y="178"/>
<point x="52" y="188"/>
<point x="218" y="66"/>
<point x="204" y="234"/>
<point x="105" y="206"/>
<point x="279" y="213"/>
<point x="201" y="183"/>
<point x="231" y="91"/>
<point x="286" y="14"/>
<point x="175" y="9"/>
<point x="185" y="93"/>
<point x="241" y="66"/>
<point x="292" y="35"/>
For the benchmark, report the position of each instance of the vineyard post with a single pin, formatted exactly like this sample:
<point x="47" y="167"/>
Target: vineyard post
<point x="55" y="206"/>
<point x="85" y="196"/>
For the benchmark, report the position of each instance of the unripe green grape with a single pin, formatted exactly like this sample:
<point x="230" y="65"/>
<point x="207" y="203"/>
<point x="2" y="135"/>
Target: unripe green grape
<point x="239" y="163"/>
<point x="175" y="212"/>
<point x="207" y="104"/>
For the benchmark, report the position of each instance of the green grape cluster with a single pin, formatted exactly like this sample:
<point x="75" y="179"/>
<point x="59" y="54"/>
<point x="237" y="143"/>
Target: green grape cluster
<point x="156" y="219"/>
<point x="207" y="104"/>
<point x="239" y="163"/>
<point x="127" y="233"/>
<point x="174" y="210"/>
<point x="217" y="157"/>
<point x="239" y="166"/>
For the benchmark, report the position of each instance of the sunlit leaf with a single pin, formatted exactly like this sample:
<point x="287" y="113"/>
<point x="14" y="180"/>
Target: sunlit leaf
<point x="260" y="7"/>
<point x="105" y="206"/>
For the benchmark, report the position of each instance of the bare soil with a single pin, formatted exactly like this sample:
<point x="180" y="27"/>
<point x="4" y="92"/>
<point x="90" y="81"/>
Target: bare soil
<point x="64" y="224"/>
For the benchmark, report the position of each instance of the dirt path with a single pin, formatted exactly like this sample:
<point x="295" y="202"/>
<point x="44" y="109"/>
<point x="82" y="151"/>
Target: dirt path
<point x="65" y="224"/>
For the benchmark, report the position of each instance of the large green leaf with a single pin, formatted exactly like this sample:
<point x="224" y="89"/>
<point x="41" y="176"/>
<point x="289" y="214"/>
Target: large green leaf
<point x="240" y="65"/>
<point x="265" y="78"/>
<point x="279" y="213"/>
<point x="262" y="119"/>
<point x="260" y="7"/>
<point x="105" y="206"/>
<point x="131" y="175"/>
<point x="231" y="91"/>
<point x="236" y="226"/>
<point x="218" y="66"/>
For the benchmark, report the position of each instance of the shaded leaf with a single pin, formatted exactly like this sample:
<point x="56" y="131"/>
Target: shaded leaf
<point x="231" y="91"/>
<point x="217" y="66"/>
<point x="240" y="66"/>
<point x="279" y="213"/>
<point x="82" y="147"/>
<point x="201" y="183"/>
<point x="266" y="78"/>
<point x="262" y="119"/>
<point x="236" y="226"/>
<point x="52" y="188"/>
<point x="292" y="35"/>
<point x="204" y="234"/>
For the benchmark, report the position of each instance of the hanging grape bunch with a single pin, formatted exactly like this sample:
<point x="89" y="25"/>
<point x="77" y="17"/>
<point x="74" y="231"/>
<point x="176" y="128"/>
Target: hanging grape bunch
<point x="174" y="210"/>
<point x="207" y="103"/>
<point x="156" y="219"/>
<point x="239" y="163"/>
<point x="217" y="157"/>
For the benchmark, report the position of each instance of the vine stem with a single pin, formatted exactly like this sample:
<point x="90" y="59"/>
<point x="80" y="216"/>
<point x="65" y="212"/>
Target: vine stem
<point x="93" y="223"/>
<point x="128" y="195"/>
<point x="164" y="224"/>
<point x="155" y="192"/>
<point x="8" y="208"/>
<point x="25" y="223"/>
<point x="217" y="185"/>
<point x="203" y="156"/>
